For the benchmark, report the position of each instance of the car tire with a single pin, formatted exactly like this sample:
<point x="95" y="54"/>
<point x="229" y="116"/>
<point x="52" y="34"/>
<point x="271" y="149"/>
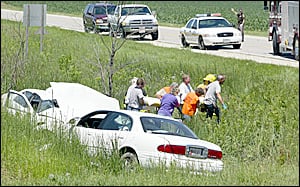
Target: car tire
<point x="85" y="28"/>
<point x="123" y="33"/>
<point x="201" y="43"/>
<point x="110" y="31"/>
<point x="130" y="160"/>
<point x="95" y="30"/>
<point x="154" y="35"/>
<point x="184" y="42"/>
<point x="236" y="46"/>
<point x="275" y="44"/>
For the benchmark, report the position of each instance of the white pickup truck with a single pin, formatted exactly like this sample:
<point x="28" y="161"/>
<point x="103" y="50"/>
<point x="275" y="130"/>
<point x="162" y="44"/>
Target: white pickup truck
<point x="133" y="19"/>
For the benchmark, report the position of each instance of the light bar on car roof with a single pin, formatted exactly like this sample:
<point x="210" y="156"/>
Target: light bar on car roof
<point x="208" y="14"/>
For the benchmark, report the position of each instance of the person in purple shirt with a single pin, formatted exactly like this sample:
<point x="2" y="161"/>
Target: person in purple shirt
<point x="169" y="102"/>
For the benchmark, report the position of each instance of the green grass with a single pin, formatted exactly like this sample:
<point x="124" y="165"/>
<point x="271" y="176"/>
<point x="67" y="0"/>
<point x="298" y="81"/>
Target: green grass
<point x="259" y="133"/>
<point x="24" y="162"/>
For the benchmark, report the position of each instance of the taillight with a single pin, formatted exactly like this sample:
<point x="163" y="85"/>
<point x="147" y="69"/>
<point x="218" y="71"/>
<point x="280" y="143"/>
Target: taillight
<point x="175" y="149"/>
<point x="214" y="154"/>
<point x="181" y="150"/>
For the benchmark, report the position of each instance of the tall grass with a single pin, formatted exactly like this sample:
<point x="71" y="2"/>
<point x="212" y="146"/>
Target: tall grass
<point x="258" y="133"/>
<point x="25" y="160"/>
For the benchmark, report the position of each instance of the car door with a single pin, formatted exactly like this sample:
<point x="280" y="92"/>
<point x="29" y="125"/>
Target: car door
<point x="18" y="102"/>
<point x="188" y="30"/>
<point x="194" y="34"/>
<point x="108" y="133"/>
<point x="114" y="18"/>
<point x="85" y="13"/>
<point x="90" y="16"/>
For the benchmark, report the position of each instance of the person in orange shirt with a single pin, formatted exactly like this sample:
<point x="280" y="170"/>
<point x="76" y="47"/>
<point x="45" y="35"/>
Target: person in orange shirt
<point x="165" y="90"/>
<point x="191" y="103"/>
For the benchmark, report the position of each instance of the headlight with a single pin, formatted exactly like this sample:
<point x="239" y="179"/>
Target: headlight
<point x="99" y="21"/>
<point x="123" y="23"/>
<point x="155" y="22"/>
<point x="208" y="35"/>
<point x="238" y="34"/>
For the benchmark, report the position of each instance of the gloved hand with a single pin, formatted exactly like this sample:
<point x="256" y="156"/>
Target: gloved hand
<point x="224" y="106"/>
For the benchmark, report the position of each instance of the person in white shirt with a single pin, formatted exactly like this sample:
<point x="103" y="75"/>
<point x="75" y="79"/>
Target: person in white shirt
<point x="212" y="95"/>
<point x="185" y="87"/>
<point x="133" y="85"/>
<point x="136" y="96"/>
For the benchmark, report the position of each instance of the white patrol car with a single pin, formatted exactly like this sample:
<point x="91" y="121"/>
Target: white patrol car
<point x="206" y="30"/>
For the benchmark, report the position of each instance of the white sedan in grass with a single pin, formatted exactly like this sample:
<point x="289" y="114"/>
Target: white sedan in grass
<point x="147" y="139"/>
<point x="205" y="30"/>
<point x="58" y="103"/>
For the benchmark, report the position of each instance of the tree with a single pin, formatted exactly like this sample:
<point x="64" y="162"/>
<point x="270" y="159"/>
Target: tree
<point x="116" y="43"/>
<point x="17" y="64"/>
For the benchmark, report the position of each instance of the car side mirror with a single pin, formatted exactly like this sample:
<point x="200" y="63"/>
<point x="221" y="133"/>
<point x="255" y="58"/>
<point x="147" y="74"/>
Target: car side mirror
<point x="55" y="103"/>
<point x="124" y="128"/>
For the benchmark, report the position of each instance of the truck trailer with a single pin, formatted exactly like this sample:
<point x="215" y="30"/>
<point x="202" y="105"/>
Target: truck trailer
<point x="284" y="26"/>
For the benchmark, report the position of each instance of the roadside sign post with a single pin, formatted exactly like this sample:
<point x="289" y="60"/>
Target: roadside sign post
<point x="34" y="15"/>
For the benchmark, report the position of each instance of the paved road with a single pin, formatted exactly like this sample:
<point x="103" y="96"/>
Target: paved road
<point x="254" y="48"/>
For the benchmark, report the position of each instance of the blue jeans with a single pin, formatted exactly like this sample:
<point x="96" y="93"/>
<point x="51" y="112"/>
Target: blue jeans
<point x="210" y="110"/>
<point x="186" y="117"/>
<point x="131" y="108"/>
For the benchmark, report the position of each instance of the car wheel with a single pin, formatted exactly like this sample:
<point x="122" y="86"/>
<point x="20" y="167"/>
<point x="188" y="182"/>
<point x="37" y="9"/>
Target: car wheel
<point x="123" y="33"/>
<point x="154" y="35"/>
<point x="110" y="31"/>
<point x="85" y="28"/>
<point x="95" y="29"/>
<point x="201" y="43"/>
<point x="296" y="47"/>
<point x="275" y="44"/>
<point x="183" y="41"/>
<point x="130" y="160"/>
<point x="236" y="46"/>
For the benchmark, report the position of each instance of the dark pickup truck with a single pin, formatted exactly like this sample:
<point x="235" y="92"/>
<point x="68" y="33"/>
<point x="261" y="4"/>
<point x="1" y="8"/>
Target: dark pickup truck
<point x="95" y="17"/>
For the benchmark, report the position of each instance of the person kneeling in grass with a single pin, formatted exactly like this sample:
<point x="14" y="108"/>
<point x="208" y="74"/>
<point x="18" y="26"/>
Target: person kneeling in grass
<point x="191" y="103"/>
<point x="168" y="102"/>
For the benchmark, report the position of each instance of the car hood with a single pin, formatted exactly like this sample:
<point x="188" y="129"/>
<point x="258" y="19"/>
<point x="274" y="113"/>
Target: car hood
<point x="137" y="17"/>
<point x="218" y="30"/>
<point x="76" y="100"/>
<point x="100" y="16"/>
<point x="177" y="140"/>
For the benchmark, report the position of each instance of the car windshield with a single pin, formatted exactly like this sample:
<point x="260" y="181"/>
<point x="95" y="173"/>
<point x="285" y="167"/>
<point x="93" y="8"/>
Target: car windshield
<point x="101" y="10"/>
<point x="46" y="104"/>
<point x="135" y="11"/>
<point x="167" y="127"/>
<point x="213" y="23"/>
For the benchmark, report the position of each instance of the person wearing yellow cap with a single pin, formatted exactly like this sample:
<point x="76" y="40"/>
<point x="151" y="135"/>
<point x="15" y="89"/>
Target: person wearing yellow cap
<point x="206" y="81"/>
<point x="212" y="96"/>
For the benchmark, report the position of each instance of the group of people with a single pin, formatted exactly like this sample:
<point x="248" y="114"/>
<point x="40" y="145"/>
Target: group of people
<point x="181" y="96"/>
